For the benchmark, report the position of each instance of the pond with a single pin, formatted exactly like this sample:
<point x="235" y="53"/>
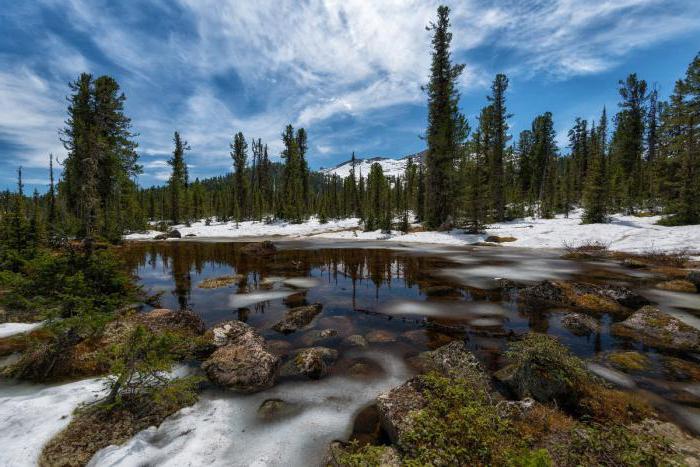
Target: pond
<point x="402" y="301"/>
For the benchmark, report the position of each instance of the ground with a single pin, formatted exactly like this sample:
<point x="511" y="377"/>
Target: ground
<point x="622" y="233"/>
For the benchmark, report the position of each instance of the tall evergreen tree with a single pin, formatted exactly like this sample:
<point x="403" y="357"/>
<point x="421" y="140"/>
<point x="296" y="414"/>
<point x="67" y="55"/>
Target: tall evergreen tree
<point x="447" y="127"/>
<point x="498" y="139"/>
<point x="239" y="154"/>
<point x="177" y="184"/>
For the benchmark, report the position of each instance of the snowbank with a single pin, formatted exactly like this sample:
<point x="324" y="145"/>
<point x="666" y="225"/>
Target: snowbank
<point x="10" y="329"/>
<point x="622" y="233"/>
<point x="30" y="415"/>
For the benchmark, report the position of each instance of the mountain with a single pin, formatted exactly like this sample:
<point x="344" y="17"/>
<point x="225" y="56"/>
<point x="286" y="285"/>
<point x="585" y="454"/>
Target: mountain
<point x="391" y="166"/>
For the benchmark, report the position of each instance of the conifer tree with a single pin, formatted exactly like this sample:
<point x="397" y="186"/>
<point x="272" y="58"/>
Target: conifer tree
<point x="239" y="154"/>
<point x="595" y="190"/>
<point x="498" y="140"/>
<point x="446" y="125"/>
<point x="177" y="184"/>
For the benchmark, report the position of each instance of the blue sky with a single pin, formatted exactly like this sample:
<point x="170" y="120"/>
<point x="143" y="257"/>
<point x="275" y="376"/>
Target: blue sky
<point x="349" y="71"/>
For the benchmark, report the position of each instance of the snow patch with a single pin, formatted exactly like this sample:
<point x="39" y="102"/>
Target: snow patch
<point x="10" y="329"/>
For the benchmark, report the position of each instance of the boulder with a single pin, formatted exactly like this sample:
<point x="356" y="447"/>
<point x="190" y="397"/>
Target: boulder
<point x="653" y="327"/>
<point x="242" y="361"/>
<point x="497" y="239"/>
<point x="161" y="237"/>
<point x="276" y="409"/>
<point x="580" y="324"/>
<point x="313" y="362"/>
<point x="295" y="300"/>
<point x="265" y="248"/>
<point x="395" y="406"/>
<point x="174" y="234"/>
<point x="297" y="318"/>
<point x="633" y="263"/>
<point x="453" y="359"/>
<point x="688" y="447"/>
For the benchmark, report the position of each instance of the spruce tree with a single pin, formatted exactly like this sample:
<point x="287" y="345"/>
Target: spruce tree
<point x="498" y="140"/>
<point x="446" y="125"/>
<point x="239" y="154"/>
<point x="177" y="184"/>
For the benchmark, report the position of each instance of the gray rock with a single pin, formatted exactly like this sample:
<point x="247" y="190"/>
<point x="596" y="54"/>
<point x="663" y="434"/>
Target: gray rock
<point x="575" y="294"/>
<point x="312" y="338"/>
<point x="313" y="362"/>
<point x="297" y="318"/>
<point x="694" y="277"/>
<point x="242" y="362"/>
<point x="277" y="409"/>
<point x="395" y="406"/>
<point x="174" y="234"/>
<point x="580" y="324"/>
<point x="453" y="359"/>
<point x="653" y="327"/>
<point x="356" y="340"/>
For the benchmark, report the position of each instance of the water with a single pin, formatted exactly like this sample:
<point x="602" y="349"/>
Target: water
<point x="403" y="301"/>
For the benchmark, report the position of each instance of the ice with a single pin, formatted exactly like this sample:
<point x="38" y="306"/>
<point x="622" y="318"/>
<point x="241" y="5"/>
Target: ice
<point x="615" y="377"/>
<point x="302" y="282"/>
<point x="222" y="428"/>
<point x="10" y="329"/>
<point x="247" y="299"/>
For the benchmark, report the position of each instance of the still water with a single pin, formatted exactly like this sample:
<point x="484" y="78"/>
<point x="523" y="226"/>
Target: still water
<point x="402" y="301"/>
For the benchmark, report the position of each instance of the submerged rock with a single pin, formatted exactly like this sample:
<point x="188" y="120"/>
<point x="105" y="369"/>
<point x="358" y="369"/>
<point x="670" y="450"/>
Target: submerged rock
<point x="653" y="327"/>
<point x="265" y="248"/>
<point x="242" y="362"/>
<point x="379" y="336"/>
<point x="677" y="285"/>
<point x="313" y="362"/>
<point x="276" y="409"/>
<point x="222" y="281"/>
<point x="297" y="318"/>
<point x="628" y="361"/>
<point x="312" y="338"/>
<point x="296" y="299"/>
<point x="612" y="298"/>
<point x="580" y="324"/>
<point x="356" y="340"/>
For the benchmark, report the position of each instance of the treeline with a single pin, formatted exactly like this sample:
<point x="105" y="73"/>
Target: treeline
<point x="644" y="160"/>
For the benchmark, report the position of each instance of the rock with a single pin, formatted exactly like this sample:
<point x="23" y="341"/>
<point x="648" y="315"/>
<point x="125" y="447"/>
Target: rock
<point x="389" y="457"/>
<point x="686" y="446"/>
<point x="380" y="336"/>
<point x="222" y="281"/>
<point x="355" y="340"/>
<point x="295" y="300"/>
<point x="236" y="333"/>
<point x="312" y="338"/>
<point x="161" y="237"/>
<point x="653" y="327"/>
<point x="157" y="321"/>
<point x="427" y="337"/>
<point x="265" y="248"/>
<point x="242" y="362"/>
<point x="516" y="409"/>
<point x="610" y="298"/>
<point x="628" y="361"/>
<point x="497" y="239"/>
<point x="174" y="234"/>
<point x="676" y="369"/>
<point x="395" y="405"/>
<point x="677" y="285"/>
<point x="363" y="368"/>
<point x="297" y="318"/>
<point x="453" y="359"/>
<point x="694" y="277"/>
<point x="276" y="409"/>
<point x="580" y="324"/>
<point x="313" y="362"/>
<point x="191" y="235"/>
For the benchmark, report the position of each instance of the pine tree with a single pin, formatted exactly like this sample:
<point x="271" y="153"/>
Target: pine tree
<point x="239" y="154"/>
<point x="498" y="140"/>
<point x="177" y="184"/>
<point x="446" y="125"/>
<point x="595" y="190"/>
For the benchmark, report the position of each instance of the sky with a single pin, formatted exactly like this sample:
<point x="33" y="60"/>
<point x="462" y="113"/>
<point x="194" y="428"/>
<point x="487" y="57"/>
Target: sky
<point x="349" y="71"/>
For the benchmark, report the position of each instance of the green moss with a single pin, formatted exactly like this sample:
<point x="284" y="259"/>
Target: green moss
<point x="629" y="361"/>
<point x="461" y="425"/>
<point x="361" y="456"/>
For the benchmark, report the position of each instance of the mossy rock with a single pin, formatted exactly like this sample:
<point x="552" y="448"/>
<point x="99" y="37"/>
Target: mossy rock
<point x="653" y="327"/>
<point x="218" y="282"/>
<point x="629" y="361"/>
<point x="677" y="285"/>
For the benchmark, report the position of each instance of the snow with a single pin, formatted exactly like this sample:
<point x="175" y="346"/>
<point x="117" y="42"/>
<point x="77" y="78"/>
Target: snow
<point x="10" y="329"/>
<point x="622" y="233"/>
<point x="30" y="415"/>
<point x="223" y="429"/>
<point x="391" y="167"/>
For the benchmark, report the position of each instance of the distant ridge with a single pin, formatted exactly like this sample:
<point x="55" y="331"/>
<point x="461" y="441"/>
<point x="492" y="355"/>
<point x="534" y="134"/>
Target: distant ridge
<point x="391" y="167"/>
